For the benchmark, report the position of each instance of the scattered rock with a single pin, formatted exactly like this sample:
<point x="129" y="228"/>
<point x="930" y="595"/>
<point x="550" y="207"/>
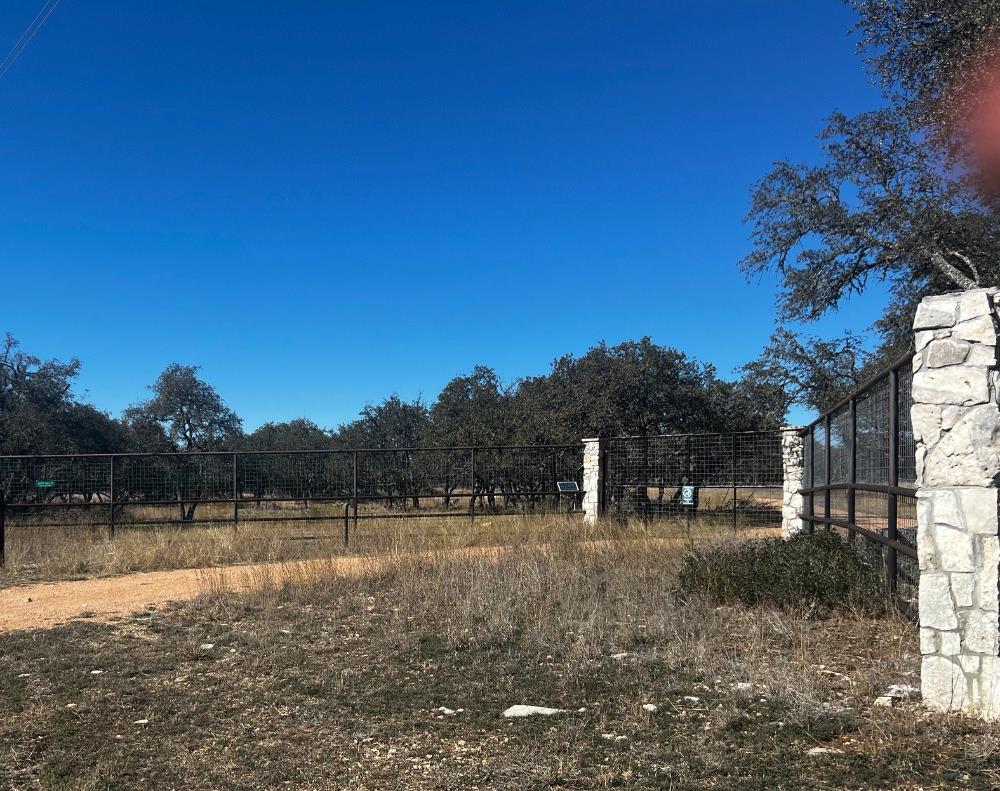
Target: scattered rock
<point x="446" y="711"/>
<point x="743" y="686"/>
<point x="207" y="646"/>
<point x="140" y="722"/>
<point x="898" y="693"/>
<point x="521" y="710"/>
<point x="824" y="751"/>
<point x="96" y="672"/>
<point x="622" y="655"/>
<point x="692" y="699"/>
<point x="24" y="675"/>
<point x="650" y="708"/>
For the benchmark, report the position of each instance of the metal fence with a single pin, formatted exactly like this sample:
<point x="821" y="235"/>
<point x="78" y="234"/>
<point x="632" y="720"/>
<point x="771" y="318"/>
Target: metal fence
<point x="122" y="490"/>
<point x="732" y="479"/>
<point x="860" y="472"/>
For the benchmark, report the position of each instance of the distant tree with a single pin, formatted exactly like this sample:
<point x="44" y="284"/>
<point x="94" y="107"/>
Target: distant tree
<point x="39" y="413"/>
<point x="808" y="371"/>
<point x="634" y="388"/>
<point x="297" y="434"/>
<point x="184" y="415"/>
<point x="397" y="426"/>
<point x="188" y="411"/>
<point x="471" y="410"/>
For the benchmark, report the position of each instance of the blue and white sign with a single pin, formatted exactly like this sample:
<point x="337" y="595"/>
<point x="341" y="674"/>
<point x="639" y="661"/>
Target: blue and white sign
<point x="687" y="495"/>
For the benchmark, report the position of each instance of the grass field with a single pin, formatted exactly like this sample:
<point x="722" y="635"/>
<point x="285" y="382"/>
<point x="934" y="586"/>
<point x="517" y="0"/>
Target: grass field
<point x="36" y="553"/>
<point x="329" y="682"/>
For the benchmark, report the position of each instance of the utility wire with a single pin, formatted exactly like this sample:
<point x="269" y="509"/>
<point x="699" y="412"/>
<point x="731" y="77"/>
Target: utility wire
<point x="36" y="24"/>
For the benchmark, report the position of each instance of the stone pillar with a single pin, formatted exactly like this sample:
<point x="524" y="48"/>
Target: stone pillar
<point x="956" y="425"/>
<point x="793" y="446"/>
<point x="592" y="481"/>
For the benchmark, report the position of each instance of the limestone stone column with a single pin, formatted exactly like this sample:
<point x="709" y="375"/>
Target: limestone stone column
<point x="793" y="446"/>
<point x="956" y="425"/>
<point x="592" y="482"/>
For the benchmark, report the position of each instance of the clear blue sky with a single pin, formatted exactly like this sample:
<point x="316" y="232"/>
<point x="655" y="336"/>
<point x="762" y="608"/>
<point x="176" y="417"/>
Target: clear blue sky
<point x="323" y="203"/>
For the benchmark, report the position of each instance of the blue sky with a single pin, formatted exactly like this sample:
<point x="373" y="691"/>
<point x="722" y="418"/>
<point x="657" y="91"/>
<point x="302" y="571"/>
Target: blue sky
<point x="323" y="203"/>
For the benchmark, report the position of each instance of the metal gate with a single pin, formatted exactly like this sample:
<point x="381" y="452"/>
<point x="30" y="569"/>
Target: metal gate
<point x="731" y="480"/>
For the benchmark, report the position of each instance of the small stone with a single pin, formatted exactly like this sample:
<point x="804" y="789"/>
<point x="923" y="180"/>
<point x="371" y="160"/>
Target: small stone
<point x="824" y="751"/>
<point x="650" y="708"/>
<point x="886" y="701"/>
<point x="140" y="722"/>
<point x="24" y="675"/>
<point x="521" y="710"/>
<point x="446" y="711"/>
<point x="743" y="686"/>
<point x="207" y="646"/>
<point x="96" y="672"/>
<point x="692" y="699"/>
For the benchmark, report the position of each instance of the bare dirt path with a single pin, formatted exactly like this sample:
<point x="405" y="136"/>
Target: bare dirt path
<point x="47" y="604"/>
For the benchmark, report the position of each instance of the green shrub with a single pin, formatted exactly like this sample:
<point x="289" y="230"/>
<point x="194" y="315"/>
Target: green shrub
<point x="818" y="571"/>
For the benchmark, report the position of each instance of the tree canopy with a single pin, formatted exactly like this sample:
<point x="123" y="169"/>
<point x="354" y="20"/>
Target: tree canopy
<point x="897" y="194"/>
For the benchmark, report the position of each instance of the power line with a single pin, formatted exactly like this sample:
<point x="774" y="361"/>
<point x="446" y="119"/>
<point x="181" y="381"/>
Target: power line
<point x="36" y="24"/>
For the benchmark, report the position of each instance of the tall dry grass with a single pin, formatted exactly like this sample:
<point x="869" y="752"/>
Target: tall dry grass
<point x="50" y="553"/>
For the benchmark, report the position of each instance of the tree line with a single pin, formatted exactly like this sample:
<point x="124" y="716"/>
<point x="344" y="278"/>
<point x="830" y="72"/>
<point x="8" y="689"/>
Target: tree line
<point x="633" y="388"/>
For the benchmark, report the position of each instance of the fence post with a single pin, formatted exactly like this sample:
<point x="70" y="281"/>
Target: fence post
<point x="236" y="492"/>
<point x="735" y="524"/>
<point x="852" y="468"/>
<point x="472" y="487"/>
<point x="354" y="499"/>
<point x="594" y="472"/>
<point x="111" y="487"/>
<point x="793" y="472"/>
<point x="3" y="528"/>
<point x="956" y="425"/>
<point x="892" y="532"/>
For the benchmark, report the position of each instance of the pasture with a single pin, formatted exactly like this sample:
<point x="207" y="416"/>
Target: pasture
<point x="397" y="678"/>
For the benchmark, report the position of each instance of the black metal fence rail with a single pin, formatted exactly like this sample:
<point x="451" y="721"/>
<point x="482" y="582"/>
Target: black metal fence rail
<point x="860" y="471"/>
<point x="148" y="489"/>
<point x="730" y="478"/>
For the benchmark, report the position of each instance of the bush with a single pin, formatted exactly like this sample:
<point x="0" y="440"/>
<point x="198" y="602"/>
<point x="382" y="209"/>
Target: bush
<point x="819" y="571"/>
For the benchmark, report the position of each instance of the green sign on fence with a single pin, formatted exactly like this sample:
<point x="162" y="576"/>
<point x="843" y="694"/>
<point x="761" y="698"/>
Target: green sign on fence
<point x="45" y="484"/>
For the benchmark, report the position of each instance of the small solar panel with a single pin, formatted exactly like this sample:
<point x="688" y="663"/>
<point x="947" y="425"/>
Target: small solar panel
<point x="567" y="486"/>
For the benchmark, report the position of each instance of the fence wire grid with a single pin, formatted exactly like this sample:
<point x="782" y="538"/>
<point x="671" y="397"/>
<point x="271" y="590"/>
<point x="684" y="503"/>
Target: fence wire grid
<point x="732" y="479"/>
<point x="117" y="491"/>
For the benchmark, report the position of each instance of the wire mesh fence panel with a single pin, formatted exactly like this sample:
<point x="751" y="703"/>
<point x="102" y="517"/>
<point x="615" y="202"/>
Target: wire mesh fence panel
<point x="120" y="491"/>
<point x="731" y="479"/>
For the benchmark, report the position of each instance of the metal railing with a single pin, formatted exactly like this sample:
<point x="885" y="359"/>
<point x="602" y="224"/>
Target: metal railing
<point x="121" y="490"/>
<point x="860" y="473"/>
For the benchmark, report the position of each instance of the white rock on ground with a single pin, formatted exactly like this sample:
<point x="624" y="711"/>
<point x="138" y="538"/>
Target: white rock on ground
<point x="825" y="751"/>
<point x="521" y="710"/>
<point x="649" y="707"/>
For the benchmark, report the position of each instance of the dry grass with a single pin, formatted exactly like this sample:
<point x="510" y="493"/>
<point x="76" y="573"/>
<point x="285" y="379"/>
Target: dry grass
<point x="335" y="682"/>
<point x="37" y="553"/>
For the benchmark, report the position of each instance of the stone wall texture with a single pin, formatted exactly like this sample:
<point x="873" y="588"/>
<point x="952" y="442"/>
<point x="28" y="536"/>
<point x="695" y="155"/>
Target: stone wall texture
<point x="793" y="446"/>
<point x="956" y="425"/>
<point x="591" y="479"/>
